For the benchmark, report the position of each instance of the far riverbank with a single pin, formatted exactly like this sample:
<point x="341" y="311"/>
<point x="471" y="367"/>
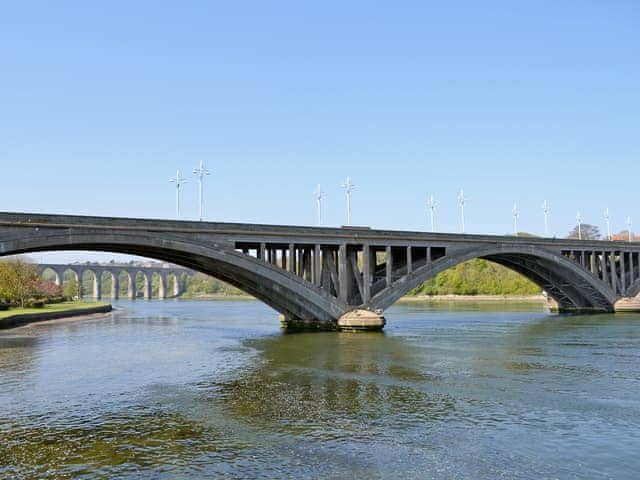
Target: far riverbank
<point x="408" y="298"/>
<point x="474" y="298"/>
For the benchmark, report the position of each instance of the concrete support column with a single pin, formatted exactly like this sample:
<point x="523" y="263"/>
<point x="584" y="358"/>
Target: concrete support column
<point x="97" y="285"/>
<point x="132" y="286"/>
<point x="409" y="260"/>
<point x="325" y="275"/>
<point x="389" y="265"/>
<point x="594" y="268"/>
<point x="177" y="287"/>
<point x="292" y="258"/>
<point x="317" y="266"/>
<point x="262" y="251"/>
<point x="162" y="286"/>
<point x="115" y="285"/>
<point x="342" y="273"/>
<point x="603" y="262"/>
<point x="79" y="274"/>
<point x="632" y="276"/>
<point x="614" y="275"/>
<point x="623" y="273"/>
<point x="428" y="255"/>
<point x="366" y="273"/>
<point x="147" y="286"/>
<point x="305" y="264"/>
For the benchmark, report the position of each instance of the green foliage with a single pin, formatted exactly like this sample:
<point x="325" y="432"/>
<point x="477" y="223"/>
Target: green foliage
<point x="70" y="288"/>
<point x="18" y="281"/>
<point x="201" y="284"/>
<point x="477" y="277"/>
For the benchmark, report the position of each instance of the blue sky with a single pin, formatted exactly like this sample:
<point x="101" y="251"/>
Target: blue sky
<point x="101" y="102"/>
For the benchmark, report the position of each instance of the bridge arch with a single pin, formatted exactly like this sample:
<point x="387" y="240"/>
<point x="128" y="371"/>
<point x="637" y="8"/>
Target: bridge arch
<point x="285" y="292"/>
<point x="57" y="274"/>
<point x="572" y="287"/>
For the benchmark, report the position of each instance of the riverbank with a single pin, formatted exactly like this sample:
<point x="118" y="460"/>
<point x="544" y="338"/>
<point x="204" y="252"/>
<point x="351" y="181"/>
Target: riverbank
<point x="216" y="296"/>
<point x="408" y="298"/>
<point x="473" y="298"/>
<point x="20" y="317"/>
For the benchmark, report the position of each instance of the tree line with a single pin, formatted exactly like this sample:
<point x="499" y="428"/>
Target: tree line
<point x="21" y="285"/>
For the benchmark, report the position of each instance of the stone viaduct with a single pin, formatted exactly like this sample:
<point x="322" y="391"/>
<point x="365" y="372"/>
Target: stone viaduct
<point x="117" y="273"/>
<point x="333" y="277"/>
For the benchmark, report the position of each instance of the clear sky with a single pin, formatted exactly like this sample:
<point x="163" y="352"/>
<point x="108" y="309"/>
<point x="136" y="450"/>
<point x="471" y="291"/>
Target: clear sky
<point x="516" y="102"/>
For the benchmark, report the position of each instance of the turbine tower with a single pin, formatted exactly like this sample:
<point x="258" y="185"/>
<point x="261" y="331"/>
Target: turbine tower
<point x="516" y="214"/>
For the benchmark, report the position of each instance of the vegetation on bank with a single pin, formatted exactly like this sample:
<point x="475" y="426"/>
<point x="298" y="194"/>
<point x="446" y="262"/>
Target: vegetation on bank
<point x="21" y="285"/>
<point x="201" y="285"/>
<point x="478" y="277"/>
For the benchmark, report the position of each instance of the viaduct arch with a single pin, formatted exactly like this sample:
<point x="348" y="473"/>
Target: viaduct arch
<point x="117" y="272"/>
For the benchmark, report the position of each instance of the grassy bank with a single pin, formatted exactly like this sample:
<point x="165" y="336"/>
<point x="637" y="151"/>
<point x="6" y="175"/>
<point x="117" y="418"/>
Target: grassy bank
<point x="473" y="298"/>
<point x="21" y="316"/>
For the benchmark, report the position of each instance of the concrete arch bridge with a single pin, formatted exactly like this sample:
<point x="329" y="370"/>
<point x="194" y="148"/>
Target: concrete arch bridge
<point x="339" y="277"/>
<point x="118" y="273"/>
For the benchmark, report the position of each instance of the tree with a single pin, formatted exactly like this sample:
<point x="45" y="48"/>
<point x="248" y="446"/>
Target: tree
<point x="18" y="280"/>
<point x="70" y="289"/>
<point x="587" y="232"/>
<point x="47" y="289"/>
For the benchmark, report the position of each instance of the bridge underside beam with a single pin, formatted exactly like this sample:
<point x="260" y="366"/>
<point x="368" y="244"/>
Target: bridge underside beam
<point x="571" y="293"/>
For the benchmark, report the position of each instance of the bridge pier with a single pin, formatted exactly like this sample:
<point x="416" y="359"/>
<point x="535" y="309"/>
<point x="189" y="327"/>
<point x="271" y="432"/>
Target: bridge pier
<point x="97" y="286"/>
<point x="131" y="290"/>
<point x="162" y="291"/>
<point x="147" y="287"/>
<point x="357" y="320"/>
<point x="115" y="286"/>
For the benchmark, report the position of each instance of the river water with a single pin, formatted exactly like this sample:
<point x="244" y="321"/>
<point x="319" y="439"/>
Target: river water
<point x="187" y="389"/>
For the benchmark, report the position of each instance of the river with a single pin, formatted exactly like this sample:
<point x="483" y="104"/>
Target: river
<point x="191" y="390"/>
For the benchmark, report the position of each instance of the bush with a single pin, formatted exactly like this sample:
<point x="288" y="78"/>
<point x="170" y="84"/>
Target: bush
<point x="35" y="304"/>
<point x="4" y="307"/>
<point x="56" y="300"/>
